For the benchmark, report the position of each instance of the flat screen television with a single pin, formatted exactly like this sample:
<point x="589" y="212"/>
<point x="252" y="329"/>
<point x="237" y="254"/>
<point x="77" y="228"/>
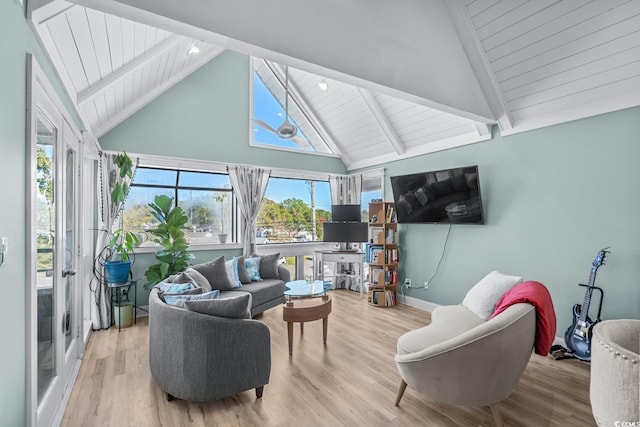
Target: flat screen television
<point x="345" y="232"/>
<point x="345" y="213"/>
<point x="448" y="196"/>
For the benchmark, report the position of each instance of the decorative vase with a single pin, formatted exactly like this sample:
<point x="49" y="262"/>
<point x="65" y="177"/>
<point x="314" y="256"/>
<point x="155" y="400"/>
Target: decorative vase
<point x="222" y="237"/>
<point x="117" y="271"/>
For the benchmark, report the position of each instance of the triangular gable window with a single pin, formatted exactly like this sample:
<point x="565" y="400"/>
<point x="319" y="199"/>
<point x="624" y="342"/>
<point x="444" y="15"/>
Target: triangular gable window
<point x="269" y="112"/>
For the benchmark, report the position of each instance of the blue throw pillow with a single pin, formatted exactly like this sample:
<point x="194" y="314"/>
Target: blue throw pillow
<point x="174" y="288"/>
<point x="253" y="268"/>
<point x="179" y="300"/>
<point x="232" y="272"/>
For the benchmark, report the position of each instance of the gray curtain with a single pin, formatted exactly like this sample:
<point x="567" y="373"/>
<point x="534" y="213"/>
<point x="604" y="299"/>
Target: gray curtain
<point x="249" y="184"/>
<point x="107" y="219"/>
<point x="346" y="190"/>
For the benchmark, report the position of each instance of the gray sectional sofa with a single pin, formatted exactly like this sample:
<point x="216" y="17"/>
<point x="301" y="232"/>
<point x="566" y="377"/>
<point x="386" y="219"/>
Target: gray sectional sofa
<point x="200" y="357"/>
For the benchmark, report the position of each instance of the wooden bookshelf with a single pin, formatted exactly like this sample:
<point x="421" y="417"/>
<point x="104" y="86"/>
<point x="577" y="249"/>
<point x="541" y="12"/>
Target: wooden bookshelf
<point x="381" y="254"/>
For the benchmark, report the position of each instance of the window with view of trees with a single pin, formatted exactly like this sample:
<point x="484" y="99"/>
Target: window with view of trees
<point x="206" y="198"/>
<point x="293" y="210"/>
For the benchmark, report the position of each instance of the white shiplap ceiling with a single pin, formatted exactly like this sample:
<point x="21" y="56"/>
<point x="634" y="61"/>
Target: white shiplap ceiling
<point x="535" y="63"/>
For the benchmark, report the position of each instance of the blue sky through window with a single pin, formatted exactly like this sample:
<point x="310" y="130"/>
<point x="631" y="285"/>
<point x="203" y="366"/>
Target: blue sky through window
<point x="269" y="110"/>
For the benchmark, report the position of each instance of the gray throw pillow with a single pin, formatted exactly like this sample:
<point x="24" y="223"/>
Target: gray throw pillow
<point x="269" y="266"/>
<point x="235" y="307"/>
<point x="216" y="273"/>
<point x="199" y="279"/>
<point x="243" y="274"/>
<point x="191" y="276"/>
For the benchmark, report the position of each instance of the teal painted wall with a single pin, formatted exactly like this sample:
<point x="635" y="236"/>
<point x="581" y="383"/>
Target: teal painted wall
<point x="16" y="40"/>
<point x="206" y="117"/>
<point x="13" y="45"/>
<point x="552" y="198"/>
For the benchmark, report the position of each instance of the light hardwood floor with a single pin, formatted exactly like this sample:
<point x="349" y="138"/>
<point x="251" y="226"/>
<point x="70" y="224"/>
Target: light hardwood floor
<point x="351" y="382"/>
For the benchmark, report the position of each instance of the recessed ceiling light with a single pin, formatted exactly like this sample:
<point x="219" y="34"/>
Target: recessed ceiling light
<point x="323" y="85"/>
<point x="193" y="50"/>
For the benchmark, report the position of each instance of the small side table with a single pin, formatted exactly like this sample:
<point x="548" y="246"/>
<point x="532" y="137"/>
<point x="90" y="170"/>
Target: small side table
<point x="118" y="289"/>
<point x="306" y="310"/>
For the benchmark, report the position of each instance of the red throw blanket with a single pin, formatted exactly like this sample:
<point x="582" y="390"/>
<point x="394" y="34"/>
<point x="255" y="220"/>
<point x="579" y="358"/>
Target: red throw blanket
<point x="536" y="294"/>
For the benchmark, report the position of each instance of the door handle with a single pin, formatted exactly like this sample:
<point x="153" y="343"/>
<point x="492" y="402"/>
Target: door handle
<point x="66" y="273"/>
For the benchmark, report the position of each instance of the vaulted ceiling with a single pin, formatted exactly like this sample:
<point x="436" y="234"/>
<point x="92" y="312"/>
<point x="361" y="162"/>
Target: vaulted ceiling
<point x="405" y="78"/>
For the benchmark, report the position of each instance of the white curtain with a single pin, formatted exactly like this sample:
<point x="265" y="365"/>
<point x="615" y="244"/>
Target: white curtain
<point x="108" y="215"/>
<point x="249" y="184"/>
<point x="346" y="190"/>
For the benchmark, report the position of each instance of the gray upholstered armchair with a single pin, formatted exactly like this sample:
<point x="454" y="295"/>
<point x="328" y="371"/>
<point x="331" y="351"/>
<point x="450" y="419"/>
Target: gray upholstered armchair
<point x="615" y="372"/>
<point x="464" y="360"/>
<point x="199" y="357"/>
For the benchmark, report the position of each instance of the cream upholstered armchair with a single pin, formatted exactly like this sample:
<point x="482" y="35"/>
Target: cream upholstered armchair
<point x="474" y="354"/>
<point x="615" y="372"/>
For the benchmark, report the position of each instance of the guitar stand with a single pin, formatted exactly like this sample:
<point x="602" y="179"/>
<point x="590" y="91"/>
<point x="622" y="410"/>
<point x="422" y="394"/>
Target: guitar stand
<point x="601" y="298"/>
<point x="558" y="352"/>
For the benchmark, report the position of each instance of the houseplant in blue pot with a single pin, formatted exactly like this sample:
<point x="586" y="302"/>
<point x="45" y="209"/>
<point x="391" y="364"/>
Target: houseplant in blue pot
<point x="118" y="266"/>
<point x="117" y="263"/>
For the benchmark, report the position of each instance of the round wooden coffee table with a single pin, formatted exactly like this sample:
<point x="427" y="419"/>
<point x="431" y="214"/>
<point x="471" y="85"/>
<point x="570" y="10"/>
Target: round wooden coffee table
<point x="303" y="310"/>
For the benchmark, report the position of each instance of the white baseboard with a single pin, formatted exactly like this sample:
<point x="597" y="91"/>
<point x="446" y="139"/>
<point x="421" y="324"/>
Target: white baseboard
<point x="142" y="311"/>
<point x="417" y="303"/>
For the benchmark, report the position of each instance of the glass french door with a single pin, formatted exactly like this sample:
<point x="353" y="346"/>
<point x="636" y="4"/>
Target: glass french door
<point x="54" y="299"/>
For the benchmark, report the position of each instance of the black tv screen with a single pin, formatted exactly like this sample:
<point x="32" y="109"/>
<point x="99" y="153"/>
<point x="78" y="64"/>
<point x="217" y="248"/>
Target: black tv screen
<point x="348" y="213"/>
<point x="449" y="196"/>
<point x="346" y="232"/>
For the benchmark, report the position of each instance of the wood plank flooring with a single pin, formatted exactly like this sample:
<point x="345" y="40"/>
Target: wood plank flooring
<point x="351" y="382"/>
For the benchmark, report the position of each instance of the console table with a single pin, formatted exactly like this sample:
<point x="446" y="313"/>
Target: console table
<point x="322" y="257"/>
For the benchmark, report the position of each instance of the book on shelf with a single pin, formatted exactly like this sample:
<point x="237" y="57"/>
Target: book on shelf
<point x="374" y="254"/>
<point x="390" y="213"/>
<point x="376" y="234"/>
<point x="389" y="298"/>
<point x="390" y="237"/>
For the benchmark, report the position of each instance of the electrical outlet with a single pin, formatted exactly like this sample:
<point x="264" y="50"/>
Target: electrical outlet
<point x="407" y="282"/>
<point x="426" y="285"/>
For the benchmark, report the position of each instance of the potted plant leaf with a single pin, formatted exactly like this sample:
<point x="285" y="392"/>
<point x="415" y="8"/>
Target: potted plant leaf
<point x="169" y="234"/>
<point x="117" y="263"/>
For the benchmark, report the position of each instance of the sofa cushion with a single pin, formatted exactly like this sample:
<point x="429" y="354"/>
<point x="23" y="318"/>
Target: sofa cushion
<point x="235" y="305"/>
<point x="216" y="273"/>
<point x="483" y="297"/>
<point x="447" y="321"/>
<point x="269" y="266"/>
<point x="232" y="272"/>
<point x="243" y="274"/>
<point x="175" y="288"/>
<point x="180" y="300"/>
<point x="253" y="268"/>
<point x="264" y="291"/>
<point x="191" y="276"/>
